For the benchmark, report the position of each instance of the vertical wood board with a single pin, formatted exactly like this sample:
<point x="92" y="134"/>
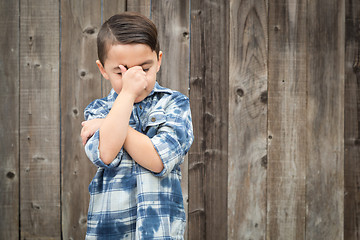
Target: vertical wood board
<point x="325" y="120"/>
<point x="209" y="88"/>
<point x="287" y="120"/>
<point x="9" y="120"/>
<point x="352" y="120"/>
<point x="80" y="85"/>
<point x="39" y="120"/>
<point x="172" y="21"/>
<point x="247" y="120"/>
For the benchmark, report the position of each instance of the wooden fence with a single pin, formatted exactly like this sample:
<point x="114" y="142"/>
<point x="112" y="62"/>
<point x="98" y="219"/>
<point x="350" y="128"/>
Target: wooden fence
<point x="274" y="87"/>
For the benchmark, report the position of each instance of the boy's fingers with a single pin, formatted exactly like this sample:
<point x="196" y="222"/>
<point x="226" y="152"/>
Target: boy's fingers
<point x="122" y="68"/>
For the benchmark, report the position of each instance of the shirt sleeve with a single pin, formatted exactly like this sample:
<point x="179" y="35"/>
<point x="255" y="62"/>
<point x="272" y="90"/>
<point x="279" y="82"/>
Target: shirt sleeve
<point x="175" y="136"/>
<point x="93" y="153"/>
<point x="98" y="109"/>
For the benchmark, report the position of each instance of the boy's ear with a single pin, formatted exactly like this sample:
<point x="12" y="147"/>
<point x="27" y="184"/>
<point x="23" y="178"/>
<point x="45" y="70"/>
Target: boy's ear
<point x="102" y="70"/>
<point x="159" y="61"/>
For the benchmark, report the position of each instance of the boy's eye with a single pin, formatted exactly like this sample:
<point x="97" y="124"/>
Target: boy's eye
<point x="145" y="70"/>
<point x="119" y="73"/>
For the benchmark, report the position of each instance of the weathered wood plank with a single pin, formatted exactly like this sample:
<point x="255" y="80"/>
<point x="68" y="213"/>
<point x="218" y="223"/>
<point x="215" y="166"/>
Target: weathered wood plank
<point x="110" y="8"/>
<point x="140" y="6"/>
<point x="172" y="21"/>
<point x="325" y="119"/>
<point x="9" y="120"/>
<point x="80" y="84"/>
<point x="39" y="120"/>
<point x="247" y="120"/>
<point x="352" y="120"/>
<point x="286" y="120"/>
<point x="209" y="89"/>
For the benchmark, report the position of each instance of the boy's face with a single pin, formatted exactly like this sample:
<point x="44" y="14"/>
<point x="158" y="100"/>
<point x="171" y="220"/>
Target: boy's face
<point x="130" y="55"/>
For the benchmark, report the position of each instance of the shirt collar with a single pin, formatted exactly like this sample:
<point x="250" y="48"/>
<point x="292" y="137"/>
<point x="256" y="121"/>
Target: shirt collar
<point x="157" y="89"/>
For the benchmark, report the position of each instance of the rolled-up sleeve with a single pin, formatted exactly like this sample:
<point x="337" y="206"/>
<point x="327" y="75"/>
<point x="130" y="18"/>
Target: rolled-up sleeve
<point x="98" y="109"/>
<point x="93" y="153"/>
<point x="175" y="136"/>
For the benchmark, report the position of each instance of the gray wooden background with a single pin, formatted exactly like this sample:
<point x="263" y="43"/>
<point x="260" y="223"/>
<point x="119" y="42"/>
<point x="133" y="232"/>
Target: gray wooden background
<point x="274" y="87"/>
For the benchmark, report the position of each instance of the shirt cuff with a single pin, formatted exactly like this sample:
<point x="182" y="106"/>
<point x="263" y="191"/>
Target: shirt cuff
<point x="93" y="153"/>
<point x="169" y="151"/>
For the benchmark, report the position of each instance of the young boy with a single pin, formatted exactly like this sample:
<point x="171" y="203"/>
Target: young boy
<point x="137" y="136"/>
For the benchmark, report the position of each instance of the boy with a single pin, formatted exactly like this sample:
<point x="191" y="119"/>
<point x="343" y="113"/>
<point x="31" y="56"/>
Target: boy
<point x="137" y="136"/>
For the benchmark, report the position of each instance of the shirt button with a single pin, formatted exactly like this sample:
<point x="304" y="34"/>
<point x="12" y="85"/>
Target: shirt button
<point x="153" y="119"/>
<point x="140" y="107"/>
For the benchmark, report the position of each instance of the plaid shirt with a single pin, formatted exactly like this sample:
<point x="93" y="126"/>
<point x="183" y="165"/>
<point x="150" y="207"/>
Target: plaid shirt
<point x="128" y="201"/>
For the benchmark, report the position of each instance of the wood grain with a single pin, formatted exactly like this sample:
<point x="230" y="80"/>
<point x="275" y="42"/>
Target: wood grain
<point x="287" y="120"/>
<point x="172" y="21"/>
<point x="110" y="8"/>
<point x="209" y="90"/>
<point x="9" y="120"/>
<point x="325" y="120"/>
<point x="140" y="6"/>
<point x="352" y="120"/>
<point x="80" y="84"/>
<point x="39" y="120"/>
<point x="247" y="120"/>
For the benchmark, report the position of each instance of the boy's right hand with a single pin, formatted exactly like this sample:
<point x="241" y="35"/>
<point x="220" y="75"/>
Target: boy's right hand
<point x="89" y="128"/>
<point x="134" y="80"/>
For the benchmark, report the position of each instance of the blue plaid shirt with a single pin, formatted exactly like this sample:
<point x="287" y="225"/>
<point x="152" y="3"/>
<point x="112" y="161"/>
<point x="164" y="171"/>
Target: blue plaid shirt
<point x="128" y="201"/>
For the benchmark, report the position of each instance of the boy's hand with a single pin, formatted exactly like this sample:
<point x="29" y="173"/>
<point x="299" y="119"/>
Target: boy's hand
<point x="134" y="80"/>
<point x="89" y="128"/>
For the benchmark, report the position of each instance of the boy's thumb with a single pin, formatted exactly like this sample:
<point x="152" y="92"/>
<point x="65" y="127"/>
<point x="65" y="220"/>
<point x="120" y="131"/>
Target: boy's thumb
<point x="122" y="69"/>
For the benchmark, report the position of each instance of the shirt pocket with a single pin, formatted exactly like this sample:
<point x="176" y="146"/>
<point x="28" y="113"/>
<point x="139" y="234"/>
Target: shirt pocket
<point x="153" y="121"/>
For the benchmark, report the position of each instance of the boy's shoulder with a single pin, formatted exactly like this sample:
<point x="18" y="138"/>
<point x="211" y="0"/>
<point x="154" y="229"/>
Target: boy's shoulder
<point x="166" y="99"/>
<point x="169" y="93"/>
<point x="99" y="108"/>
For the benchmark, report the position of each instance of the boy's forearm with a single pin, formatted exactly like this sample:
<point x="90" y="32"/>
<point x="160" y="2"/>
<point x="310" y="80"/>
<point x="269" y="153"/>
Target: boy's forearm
<point x="114" y="129"/>
<point x="141" y="149"/>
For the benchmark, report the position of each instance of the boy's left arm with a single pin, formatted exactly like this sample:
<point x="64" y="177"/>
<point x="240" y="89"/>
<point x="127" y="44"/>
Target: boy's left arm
<point x="162" y="152"/>
<point x="141" y="149"/>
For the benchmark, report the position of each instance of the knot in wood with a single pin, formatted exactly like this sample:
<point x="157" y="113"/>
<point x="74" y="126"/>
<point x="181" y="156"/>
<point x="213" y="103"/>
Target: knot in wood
<point x="264" y="163"/>
<point x="89" y="30"/>
<point x="240" y="92"/>
<point x="75" y="111"/>
<point x="35" y="206"/>
<point x="10" y="175"/>
<point x="186" y="35"/>
<point x="264" y="97"/>
<point x="30" y="40"/>
<point x="356" y="67"/>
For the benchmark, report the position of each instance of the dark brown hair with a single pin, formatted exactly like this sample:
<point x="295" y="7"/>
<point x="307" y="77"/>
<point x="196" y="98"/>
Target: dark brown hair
<point x="126" y="28"/>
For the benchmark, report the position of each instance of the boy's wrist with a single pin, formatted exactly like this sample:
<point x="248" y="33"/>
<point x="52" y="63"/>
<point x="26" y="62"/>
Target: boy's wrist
<point x="128" y="95"/>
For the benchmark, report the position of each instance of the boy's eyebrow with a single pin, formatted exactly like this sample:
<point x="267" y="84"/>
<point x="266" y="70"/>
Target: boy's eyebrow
<point x="146" y="62"/>
<point x="142" y="64"/>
